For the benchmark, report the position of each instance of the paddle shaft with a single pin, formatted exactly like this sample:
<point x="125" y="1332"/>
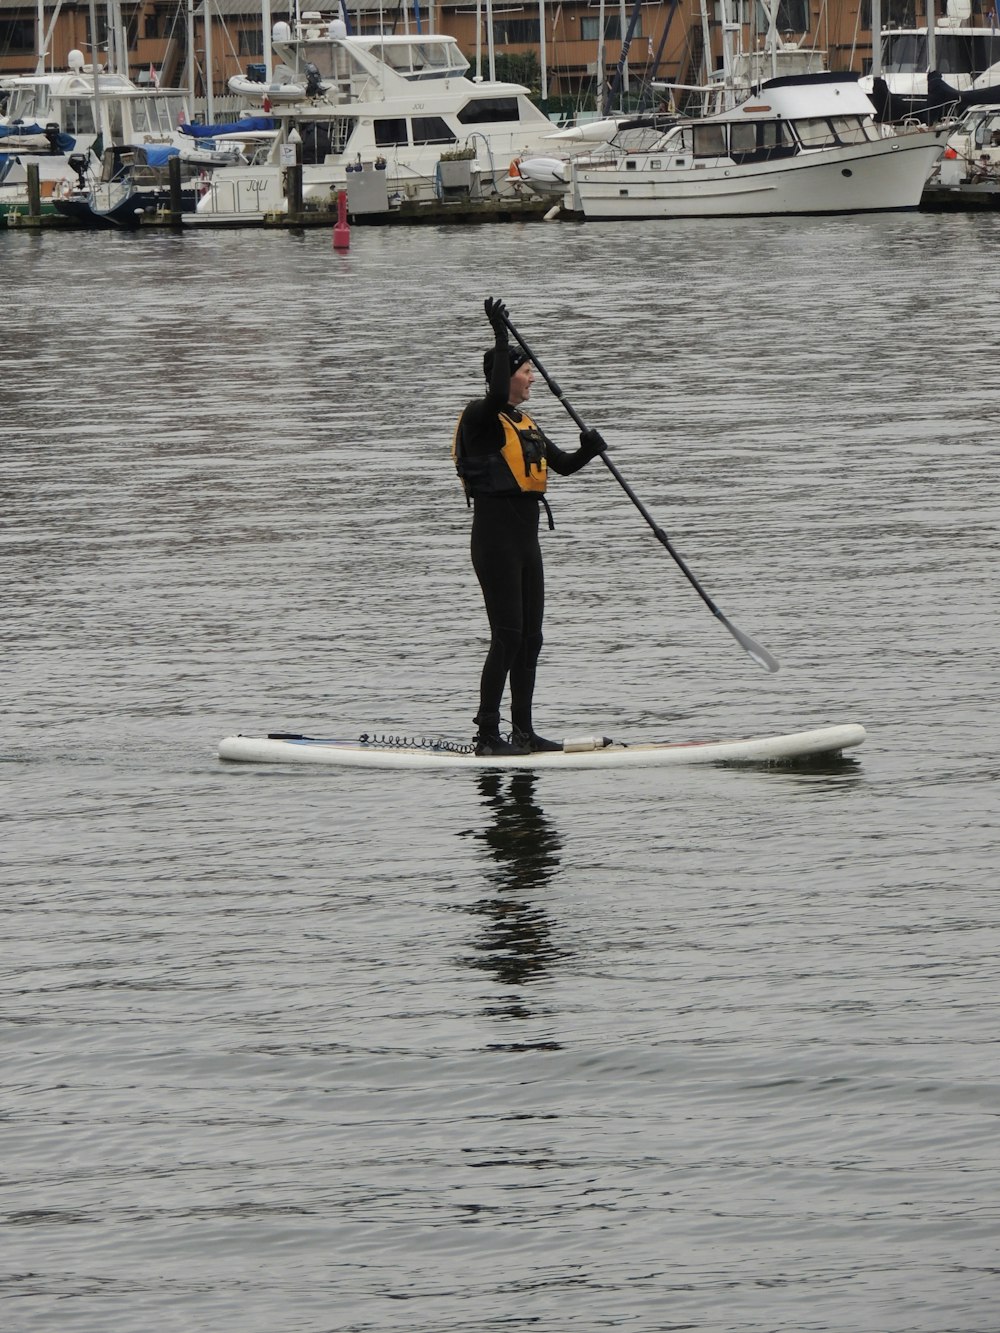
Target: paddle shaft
<point x="759" y="654"/>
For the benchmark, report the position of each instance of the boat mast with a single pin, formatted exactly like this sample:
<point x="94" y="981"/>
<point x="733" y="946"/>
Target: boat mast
<point x="40" y="37"/>
<point x="931" y="36"/>
<point x="599" y="70"/>
<point x="729" y="28"/>
<point x="95" y="66"/>
<point x="209" y="79"/>
<point x="265" y="23"/>
<point x="621" y="72"/>
<point x="706" y="38"/>
<point x="490" y="44"/>
<point x="623" y="61"/>
<point x="876" y="39"/>
<point x="542" y="57"/>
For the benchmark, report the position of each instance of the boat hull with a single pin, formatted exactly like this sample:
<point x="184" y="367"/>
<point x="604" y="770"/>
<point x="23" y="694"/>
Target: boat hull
<point x="871" y="177"/>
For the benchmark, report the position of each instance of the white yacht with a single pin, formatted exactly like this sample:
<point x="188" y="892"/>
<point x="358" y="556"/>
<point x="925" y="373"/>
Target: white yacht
<point x="392" y="104"/>
<point x="806" y="144"/>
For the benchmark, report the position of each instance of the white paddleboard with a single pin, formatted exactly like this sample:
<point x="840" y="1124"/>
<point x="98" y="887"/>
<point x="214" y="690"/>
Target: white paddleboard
<point x="282" y="748"/>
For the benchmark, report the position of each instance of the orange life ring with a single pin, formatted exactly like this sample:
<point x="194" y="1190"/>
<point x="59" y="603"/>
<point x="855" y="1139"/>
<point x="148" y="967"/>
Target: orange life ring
<point x="514" y="170"/>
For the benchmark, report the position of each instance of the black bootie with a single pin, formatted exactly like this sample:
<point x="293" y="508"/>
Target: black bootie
<point x="533" y="743"/>
<point x="489" y="742"/>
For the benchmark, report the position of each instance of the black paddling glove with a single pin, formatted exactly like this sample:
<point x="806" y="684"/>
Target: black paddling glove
<point x="496" y="313"/>
<point x="592" y="443"/>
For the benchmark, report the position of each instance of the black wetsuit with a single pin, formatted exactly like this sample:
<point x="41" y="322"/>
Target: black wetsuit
<point x="507" y="557"/>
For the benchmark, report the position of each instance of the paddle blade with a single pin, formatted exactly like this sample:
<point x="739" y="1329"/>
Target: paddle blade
<point x="760" y="655"/>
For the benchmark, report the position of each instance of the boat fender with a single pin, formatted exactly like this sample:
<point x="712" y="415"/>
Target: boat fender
<point x="581" y="744"/>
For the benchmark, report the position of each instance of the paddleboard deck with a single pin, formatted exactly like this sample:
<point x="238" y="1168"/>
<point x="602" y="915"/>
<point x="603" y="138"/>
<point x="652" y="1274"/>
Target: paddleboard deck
<point x="285" y="748"/>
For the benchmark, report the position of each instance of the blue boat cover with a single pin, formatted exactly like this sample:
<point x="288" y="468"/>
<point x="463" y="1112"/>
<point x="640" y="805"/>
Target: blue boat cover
<point x="65" y="142"/>
<point x="158" y="154"/>
<point x="239" y="126"/>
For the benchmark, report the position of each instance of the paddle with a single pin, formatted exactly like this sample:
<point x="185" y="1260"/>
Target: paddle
<point x="760" y="655"/>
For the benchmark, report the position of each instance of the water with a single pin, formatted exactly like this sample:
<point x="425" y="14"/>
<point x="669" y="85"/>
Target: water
<point x="311" y="1051"/>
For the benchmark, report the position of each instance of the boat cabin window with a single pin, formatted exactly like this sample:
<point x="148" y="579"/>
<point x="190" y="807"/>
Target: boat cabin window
<point x="815" y="133"/>
<point x="389" y="131"/>
<point x="484" y="109"/>
<point x="760" y="140"/>
<point x="431" y="129"/>
<point x="709" y="140"/>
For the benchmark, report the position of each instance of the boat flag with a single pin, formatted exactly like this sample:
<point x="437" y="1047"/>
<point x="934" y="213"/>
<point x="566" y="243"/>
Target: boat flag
<point x="154" y="78"/>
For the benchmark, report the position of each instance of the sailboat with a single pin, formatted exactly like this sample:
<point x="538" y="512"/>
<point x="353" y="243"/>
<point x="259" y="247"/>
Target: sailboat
<point x="965" y="55"/>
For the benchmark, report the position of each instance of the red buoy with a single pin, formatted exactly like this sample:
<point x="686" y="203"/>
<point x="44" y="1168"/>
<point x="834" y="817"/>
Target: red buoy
<point x="341" y="231"/>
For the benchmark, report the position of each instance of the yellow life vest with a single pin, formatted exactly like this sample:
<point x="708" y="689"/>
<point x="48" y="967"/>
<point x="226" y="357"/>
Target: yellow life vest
<point x="520" y="465"/>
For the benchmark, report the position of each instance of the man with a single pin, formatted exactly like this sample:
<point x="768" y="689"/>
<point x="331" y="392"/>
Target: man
<point x="504" y="459"/>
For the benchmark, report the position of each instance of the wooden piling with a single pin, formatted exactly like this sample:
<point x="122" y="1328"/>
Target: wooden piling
<point x="34" y="191"/>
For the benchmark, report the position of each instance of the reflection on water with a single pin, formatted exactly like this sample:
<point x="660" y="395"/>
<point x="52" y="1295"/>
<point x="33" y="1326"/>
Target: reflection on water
<point x="823" y="775"/>
<point x="515" y="943"/>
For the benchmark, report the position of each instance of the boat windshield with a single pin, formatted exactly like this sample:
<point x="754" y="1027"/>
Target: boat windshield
<point x="832" y="131"/>
<point x="156" y="115"/>
<point x="29" y="104"/>
<point x="956" y="53"/>
<point x="985" y="128"/>
<point x="904" y="53"/>
<point x="76" y="115"/>
<point x="424" y="59"/>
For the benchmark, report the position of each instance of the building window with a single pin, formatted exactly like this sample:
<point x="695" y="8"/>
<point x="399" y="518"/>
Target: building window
<point x="151" y="24"/>
<point x="251" y="41"/>
<point x="516" y="32"/>
<point x="17" y="36"/>
<point x="102" y="31"/>
<point x="590" y="29"/>
<point x="792" y="16"/>
<point x="895" y="14"/>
